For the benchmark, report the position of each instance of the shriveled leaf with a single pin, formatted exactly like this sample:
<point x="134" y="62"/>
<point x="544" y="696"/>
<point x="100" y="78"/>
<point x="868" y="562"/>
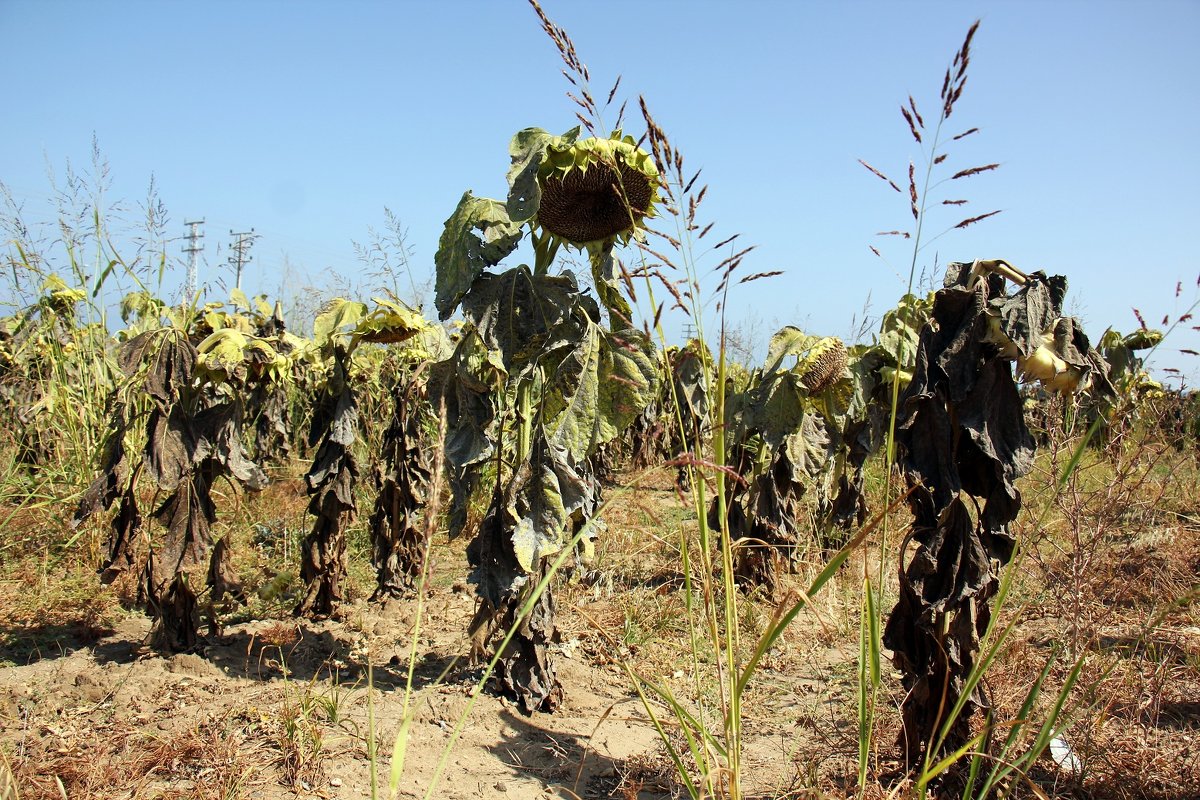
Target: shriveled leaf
<point x="546" y="492"/>
<point x="391" y="322"/>
<point x="187" y="514"/>
<point x="218" y="437"/>
<point x="339" y="317"/>
<point x="478" y="235"/>
<point x="170" y="443"/>
<point x="524" y="316"/>
<point x="787" y="341"/>
<point x="171" y="365"/>
<point x="528" y="150"/>
<point x="1029" y="312"/>
<point x="468" y="384"/>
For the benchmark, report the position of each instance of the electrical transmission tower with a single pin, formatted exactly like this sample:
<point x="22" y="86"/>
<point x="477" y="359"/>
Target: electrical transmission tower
<point x="241" y="253"/>
<point x="194" y="235"/>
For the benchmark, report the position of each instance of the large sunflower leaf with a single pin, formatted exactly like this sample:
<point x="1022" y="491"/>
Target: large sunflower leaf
<point x="340" y="316"/>
<point x="546" y="493"/>
<point x="598" y="389"/>
<point x="391" y="322"/>
<point x="628" y="380"/>
<point x="900" y="329"/>
<point x="478" y="235"/>
<point x="788" y="341"/>
<point x="779" y="409"/>
<point x="571" y="403"/>
<point x="808" y="449"/>
<point x="525" y="317"/>
<point x="527" y="149"/>
<point x="468" y="383"/>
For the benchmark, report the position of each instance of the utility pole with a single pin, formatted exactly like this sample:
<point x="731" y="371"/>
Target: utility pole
<point x="689" y="332"/>
<point x="194" y="235"/>
<point x="241" y="253"/>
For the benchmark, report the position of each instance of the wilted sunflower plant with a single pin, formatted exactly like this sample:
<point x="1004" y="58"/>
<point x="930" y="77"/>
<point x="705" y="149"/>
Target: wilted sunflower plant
<point x="858" y="415"/>
<point x="403" y="475"/>
<point x="781" y="438"/>
<point x="181" y="402"/>
<point x="962" y="443"/>
<point x="338" y="333"/>
<point x="543" y="374"/>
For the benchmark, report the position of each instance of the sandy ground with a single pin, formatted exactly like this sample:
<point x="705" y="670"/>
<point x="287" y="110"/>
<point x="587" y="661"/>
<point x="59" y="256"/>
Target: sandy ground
<point x="278" y="709"/>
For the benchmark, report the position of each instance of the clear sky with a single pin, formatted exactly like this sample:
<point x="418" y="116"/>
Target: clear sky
<point x="305" y="120"/>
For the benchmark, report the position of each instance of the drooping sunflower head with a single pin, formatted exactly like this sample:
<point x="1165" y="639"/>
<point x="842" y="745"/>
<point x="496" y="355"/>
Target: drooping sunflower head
<point x="824" y="365"/>
<point x="595" y="190"/>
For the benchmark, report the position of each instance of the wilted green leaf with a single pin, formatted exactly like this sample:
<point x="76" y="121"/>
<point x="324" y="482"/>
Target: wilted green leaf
<point x="547" y="492"/>
<point x="340" y="316"/>
<point x="527" y="149"/>
<point x="1143" y="339"/>
<point x="391" y="322"/>
<point x="628" y="380"/>
<point x="788" y="341"/>
<point x="239" y="300"/>
<point x="525" y="316"/>
<point x="478" y="235"/>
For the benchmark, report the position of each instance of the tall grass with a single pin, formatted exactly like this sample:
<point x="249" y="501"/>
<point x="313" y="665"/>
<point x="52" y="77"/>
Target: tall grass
<point x="60" y="283"/>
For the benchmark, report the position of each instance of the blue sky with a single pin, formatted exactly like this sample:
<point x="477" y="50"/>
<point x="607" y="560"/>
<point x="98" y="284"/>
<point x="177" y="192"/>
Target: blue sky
<point x="305" y="120"/>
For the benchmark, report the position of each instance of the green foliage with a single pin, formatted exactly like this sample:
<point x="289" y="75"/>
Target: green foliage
<point x="478" y="235"/>
<point x="536" y="384"/>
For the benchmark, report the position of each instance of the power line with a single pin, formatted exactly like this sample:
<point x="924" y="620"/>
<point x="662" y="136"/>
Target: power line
<point x="241" y="253"/>
<point x="194" y="235"/>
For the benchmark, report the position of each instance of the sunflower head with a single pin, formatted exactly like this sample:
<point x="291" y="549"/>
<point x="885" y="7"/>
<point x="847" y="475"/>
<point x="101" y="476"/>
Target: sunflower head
<point x="595" y="190"/>
<point x="824" y="365"/>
